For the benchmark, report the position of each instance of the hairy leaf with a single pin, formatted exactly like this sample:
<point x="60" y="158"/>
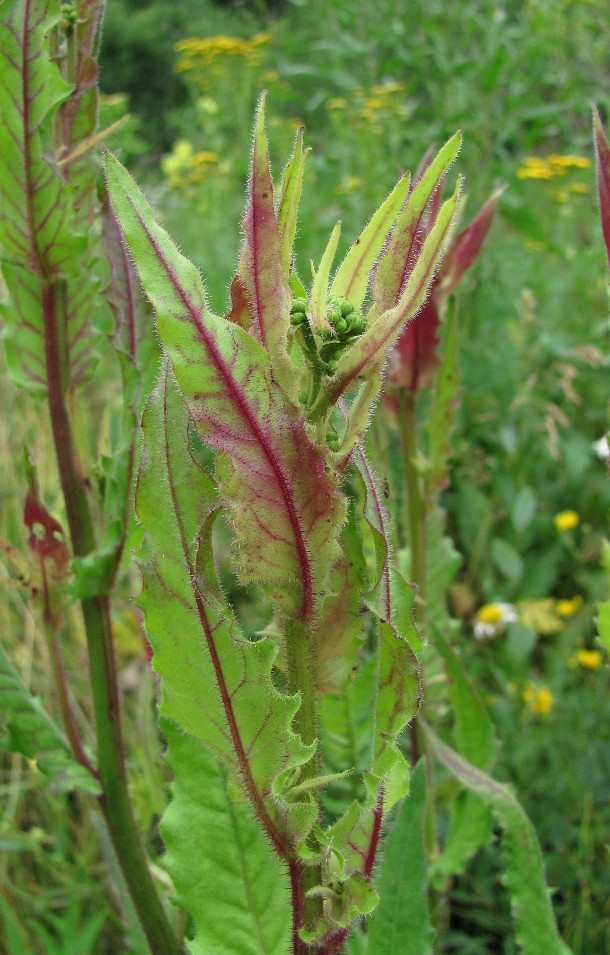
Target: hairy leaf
<point x="319" y="289"/>
<point x="535" y="924"/>
<point x="400" y="925"/>
<point x="290" y="193"/>
<point x="285" y="509"/>
<point x="370" y="351"/>
<point x="400" y="256"/>
<point x="197" y="643"/>
<point x="351" y="280"/>
<point x="26" y="727"/>
<point x="225" y="872"/>
<point x="262" y="268"/>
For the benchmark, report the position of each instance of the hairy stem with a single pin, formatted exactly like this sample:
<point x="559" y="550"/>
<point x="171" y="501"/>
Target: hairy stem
<point x="415" y="524"/>
<point x="114" y="800"/>
<point x="301" y="679"/>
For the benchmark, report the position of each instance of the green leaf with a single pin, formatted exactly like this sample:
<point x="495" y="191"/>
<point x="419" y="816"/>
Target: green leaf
<point x="45" y="221"/>
<point x="346" y="722"/>
<point x="225" y="872"/>
<point x="394" y="266"/>
<point x="368" y="352"/>
<point x="400" y="925"/>
<point x="506" y="558"/>
<point x="286" y="510"/>
<point x="524" y="508"/>
<point x="470" y="827"/>
<point x="216" y="684"/>
<point x="319" y="289"/>
<point x="442" y="414"/>
<point x="535" y="924"/>
<point x="290" y="192"/>
<point x="351" y="280"/>
<point x="25" y="727"/>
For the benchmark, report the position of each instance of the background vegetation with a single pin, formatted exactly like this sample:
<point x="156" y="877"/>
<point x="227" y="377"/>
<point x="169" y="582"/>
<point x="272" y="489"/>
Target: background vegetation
<point x="375" y="85"/>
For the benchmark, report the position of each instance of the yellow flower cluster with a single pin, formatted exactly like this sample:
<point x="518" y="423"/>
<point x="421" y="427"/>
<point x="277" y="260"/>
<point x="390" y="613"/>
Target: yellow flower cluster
<point x="551" y="167"/>
<point x="587" y="659"/>
<point x="184" y="167"/>
<point x="567" y="608"/>
<point x="566" y="521"/>
<point x="369" y="107"/>
<point x="539" y="699"/>
<point x="212" y="51"/>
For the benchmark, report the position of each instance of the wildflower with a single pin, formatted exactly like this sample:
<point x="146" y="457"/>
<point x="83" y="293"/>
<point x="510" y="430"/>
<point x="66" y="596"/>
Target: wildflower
<point x="539" y="699"/>
<point x="491" y="620"/>
<point x="566" y="521"/>
<point x="587" y="659"/>
<point x="567" y="608"/>
<point x="602" y="448"/>
<point x="336" y="103"/>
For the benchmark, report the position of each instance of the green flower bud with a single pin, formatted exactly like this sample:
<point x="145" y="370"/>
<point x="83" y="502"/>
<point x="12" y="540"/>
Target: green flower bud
<point x="331" y="366"/>
<point x="332" y="439"/>
<point x="334" y="316"/>
<point x="299" y="305"/>
<point x="341" y="326"/>
<point x="346" y="307"/>
<point x="297" y="318"/>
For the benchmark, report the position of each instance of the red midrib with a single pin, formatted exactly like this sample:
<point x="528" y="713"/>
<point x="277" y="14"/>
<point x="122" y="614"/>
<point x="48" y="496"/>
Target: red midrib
<point x="246" y="411"/>
<point x="242" y="758"/>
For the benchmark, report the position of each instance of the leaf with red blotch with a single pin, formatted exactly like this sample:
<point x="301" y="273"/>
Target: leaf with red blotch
<point x="285" y="509"/>
<point x="240" y="308"/>
<point x="261" y="266"/>
<point x="602" y="150"/>
<point x="46" y="538"/>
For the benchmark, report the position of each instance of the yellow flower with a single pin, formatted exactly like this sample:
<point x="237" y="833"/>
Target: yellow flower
<point x="490" y="613"/>
<point x="539" y="699"/>
<point x="535" y="168"/>
<point x="581" y="188"/>
<point x="566" y="521"/>
<point x="567" y="608"/>
<point x="588" y="659"/>
<point x="336" y="103"/>
<point x="569" y="162"/>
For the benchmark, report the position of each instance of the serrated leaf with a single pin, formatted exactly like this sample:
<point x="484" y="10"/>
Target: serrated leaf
<point x="535" y="924"/>
<point x="225" y="872"/>
<point x="400" y="925"/>
<point x="285" y="509"/>
<point x="351" y="280"/>
<point x="26" y="727"/>
<point x="197" y="643"/>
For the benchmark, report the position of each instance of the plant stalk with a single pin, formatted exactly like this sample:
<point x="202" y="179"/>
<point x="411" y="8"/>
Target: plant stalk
<point x="114" y="801"/>
<point x="301" y="664"/>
